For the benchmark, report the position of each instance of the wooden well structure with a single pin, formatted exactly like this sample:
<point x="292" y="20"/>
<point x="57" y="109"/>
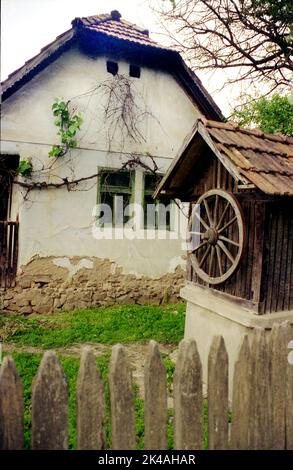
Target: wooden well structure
<point x="239" y="184"/>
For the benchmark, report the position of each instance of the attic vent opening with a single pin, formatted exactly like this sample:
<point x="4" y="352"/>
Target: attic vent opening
<point x="134" y="71"/>
<point x="112" y="67"/>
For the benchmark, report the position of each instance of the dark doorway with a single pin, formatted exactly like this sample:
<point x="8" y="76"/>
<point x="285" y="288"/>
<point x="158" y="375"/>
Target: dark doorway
<point x="8" y="228"/>
<point x="8" y="166"/>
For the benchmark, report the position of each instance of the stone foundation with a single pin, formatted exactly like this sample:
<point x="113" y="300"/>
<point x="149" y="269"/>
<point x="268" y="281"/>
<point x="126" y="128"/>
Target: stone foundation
<point x="50" y="284"/>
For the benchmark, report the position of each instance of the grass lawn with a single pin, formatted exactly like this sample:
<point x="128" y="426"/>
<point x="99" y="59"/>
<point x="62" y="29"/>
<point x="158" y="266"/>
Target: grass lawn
<point x="109" y="325"/>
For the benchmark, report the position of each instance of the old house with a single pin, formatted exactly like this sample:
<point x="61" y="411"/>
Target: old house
<point x="136" y="101"/>
<point x="240" y="257"/>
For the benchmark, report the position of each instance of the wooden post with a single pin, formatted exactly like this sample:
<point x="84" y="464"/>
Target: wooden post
<point x="188" y="403"/>
<point x="11" y="407"/>
<point x="155" y="400"/>
<point x="278" y="350"/>
<point x="259" y="433"/>
<point x="257" y="270"/>
<point x="218" y="395"/>
<point x="289" y="388"/>
<point x="121" y="398"/>
<point x="242" y="384"/>
<point x="49" y="406"/>
<point x="91" y="408"/>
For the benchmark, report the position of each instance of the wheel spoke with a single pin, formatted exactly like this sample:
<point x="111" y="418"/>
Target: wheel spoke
<point x="228" y="224"/>
<point x="196" y="233"/>
<point x="211" y="222"/>
<point x="228" y="240"/>
<point x="226" y="251"/>
<point x="201" y="220"/>
<point x="223" y="215"/>
<point x="199" y="246"/>
<point x="205" y="256"/>
<point x="218" y="251"/>
<point x="216" y="209"/>
<point x="212" y="258"/>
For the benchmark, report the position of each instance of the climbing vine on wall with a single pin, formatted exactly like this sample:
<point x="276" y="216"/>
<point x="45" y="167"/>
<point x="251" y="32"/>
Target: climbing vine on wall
<point x="122" y="113"/>
<point x="68" y="123"/>
<point x="25" y="168"/>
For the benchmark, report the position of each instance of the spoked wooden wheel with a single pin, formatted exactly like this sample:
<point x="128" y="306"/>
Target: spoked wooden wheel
<point x="216" y="229"/>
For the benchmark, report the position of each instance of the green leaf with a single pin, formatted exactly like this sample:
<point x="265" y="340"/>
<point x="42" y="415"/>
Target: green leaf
<point x="25" y="168"/>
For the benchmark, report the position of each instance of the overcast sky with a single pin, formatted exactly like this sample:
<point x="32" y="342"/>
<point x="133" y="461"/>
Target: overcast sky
<point x="29" y="25"/>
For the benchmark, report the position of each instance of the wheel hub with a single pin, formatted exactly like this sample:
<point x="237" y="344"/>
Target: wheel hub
<point x="211" y="236"/>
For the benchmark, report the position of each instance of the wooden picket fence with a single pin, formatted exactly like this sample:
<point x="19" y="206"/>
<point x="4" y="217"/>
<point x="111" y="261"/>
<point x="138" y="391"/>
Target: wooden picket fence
<point x="262" y="404"/>
<point x="8" y="252"/>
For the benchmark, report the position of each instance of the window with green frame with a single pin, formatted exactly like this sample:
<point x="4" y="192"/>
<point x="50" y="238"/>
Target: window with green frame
<point x="116" y="190"/>
<point x="157" y="213"/>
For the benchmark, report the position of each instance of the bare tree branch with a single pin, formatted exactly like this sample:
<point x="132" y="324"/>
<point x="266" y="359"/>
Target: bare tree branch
<point x="255" y="36"/>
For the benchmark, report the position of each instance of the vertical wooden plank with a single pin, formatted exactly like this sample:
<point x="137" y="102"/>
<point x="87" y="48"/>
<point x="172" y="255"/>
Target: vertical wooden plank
<point x="10" y="228"/>
<point x="91" y="408"/>
<point x="242" y="382"/>
<point x="219" y="165"/>
<point x="278" y="263"/>
<point x="15" y="250"/>
<point x="188" y="402"/>
<point x="1" y="252"/>
<point x="155" y="385"/>
<point x="250" y="251"/>
<point x="278" y="350"/>
<point x="271" y="258"/>
<point x="4" y="266"/>
<point x="259" y="432"/>
<point x="49" y="406"/>
<point x="289" y="387"/>
<point x="11" y="407"/>
<point x="121" y="398"/>
<point x="257" y="270"/>
<point x="284" y="278"/>
<point x="218" y="395"/>
<point x="289" y="270"/>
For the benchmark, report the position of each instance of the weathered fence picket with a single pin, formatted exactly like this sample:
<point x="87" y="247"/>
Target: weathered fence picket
<point x="121" y="398"/>
<point x="278" y="354"/>
<point x="242" y="382"/>
<point x="91" y="407"/>
<point x="289" y="390"/>
<point x="188" y="432"/>
<point x="260" y="397"/>
<point x="50" y="406"/>
<point x="261" y="413"/>
<point x="11" y="407"/>
<point x="155" y="384"/>
<point x="218" y="395"/>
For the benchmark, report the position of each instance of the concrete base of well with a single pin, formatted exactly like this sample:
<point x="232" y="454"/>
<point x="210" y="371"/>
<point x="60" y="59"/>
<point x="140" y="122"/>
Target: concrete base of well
<point x="210" y="313"/>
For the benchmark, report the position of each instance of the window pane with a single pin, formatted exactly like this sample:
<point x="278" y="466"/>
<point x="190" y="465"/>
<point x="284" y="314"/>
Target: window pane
<point x="163" y="215"/>
<point x="119" y="179"/>
<point x="151" y="182"/>
<point x="149" y="212"/>
<point x="116" y="191"/>
<point x="156" y="214"/>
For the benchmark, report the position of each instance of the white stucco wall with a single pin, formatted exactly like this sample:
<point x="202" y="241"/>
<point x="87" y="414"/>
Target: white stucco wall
<point x="58" y="223"/>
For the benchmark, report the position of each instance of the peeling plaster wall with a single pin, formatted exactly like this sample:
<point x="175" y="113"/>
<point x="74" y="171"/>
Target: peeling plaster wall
<point x="57" y="223"/>
<point x="51" y="284"/>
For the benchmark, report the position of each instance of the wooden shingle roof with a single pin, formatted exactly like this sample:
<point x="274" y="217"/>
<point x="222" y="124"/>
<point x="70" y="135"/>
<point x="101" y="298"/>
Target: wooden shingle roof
<point x="263" y="161"/>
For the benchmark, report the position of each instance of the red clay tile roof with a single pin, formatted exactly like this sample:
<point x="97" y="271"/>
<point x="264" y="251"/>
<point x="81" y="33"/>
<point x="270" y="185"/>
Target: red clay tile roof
<point x="113" y="25"/>
<point x="251" y="156"/>
<point x="111" y="31"/>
